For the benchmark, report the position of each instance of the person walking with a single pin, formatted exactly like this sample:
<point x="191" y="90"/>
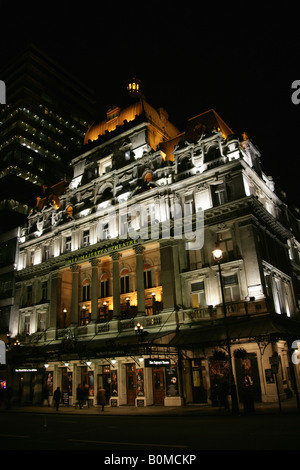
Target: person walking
<point x="56" y="397"/>
<point x="80" y="396"/>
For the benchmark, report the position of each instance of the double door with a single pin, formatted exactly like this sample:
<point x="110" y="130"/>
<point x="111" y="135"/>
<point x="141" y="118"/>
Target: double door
<point x="158" y="381"/>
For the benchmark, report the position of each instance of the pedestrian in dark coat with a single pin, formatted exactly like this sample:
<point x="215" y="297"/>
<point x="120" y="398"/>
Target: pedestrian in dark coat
<point x="56" y="397"/>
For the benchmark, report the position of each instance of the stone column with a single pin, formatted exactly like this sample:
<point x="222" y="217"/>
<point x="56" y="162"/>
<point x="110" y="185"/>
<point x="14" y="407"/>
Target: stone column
<point x="94" y="290"/>
<point x="170" y="275"/>
<point x="54" y="299"/>
<point x="116" y="285"/>
<point x="140" y="286"/>
<point x="74" y="306"/>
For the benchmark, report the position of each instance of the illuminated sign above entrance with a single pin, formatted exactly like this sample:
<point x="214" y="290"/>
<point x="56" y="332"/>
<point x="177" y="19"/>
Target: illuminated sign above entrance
<point x="118" y="245"/>
<point x="157" y="362"/>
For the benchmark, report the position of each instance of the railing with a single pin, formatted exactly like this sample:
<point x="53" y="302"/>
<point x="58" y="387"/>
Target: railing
<point x="249" y="307"/>
<point x="162" y="319"/>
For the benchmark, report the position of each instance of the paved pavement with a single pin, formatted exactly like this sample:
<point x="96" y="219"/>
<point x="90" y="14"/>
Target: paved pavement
<point x="287" y="406"/>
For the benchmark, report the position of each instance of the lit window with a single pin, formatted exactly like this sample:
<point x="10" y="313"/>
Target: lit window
<point x="124" y="281"/>
<point x="86" y="290"/>
<point x="198" y="294"/>
<point x="231" y="288"/>
<point x="68" y="244"/>
<point x="147" y="276"/>
<point x="86" y="238"/>
<point x="104" y="292"/>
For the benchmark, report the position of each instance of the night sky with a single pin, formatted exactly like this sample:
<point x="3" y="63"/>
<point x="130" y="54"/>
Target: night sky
<point x="190" y="58"/>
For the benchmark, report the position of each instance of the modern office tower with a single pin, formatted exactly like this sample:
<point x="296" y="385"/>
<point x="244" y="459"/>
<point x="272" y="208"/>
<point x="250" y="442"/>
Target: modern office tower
<point x="44" y="121"/>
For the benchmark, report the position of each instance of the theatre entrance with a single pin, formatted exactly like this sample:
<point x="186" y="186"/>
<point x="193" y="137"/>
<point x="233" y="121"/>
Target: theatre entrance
<point x="158" y="380"/>
<point x="131" y="383"/>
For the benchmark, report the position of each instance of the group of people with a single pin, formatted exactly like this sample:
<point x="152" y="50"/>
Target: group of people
<point x="81" y="396"/>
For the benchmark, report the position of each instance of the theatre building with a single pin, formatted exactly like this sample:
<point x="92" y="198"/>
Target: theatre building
<point x="117" y="286"/>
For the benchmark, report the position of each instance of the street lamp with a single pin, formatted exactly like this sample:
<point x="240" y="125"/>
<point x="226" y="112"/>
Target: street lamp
<point x="138" y="329"/>
<point x="65" y="317"/>
<point x="218" y="256"/>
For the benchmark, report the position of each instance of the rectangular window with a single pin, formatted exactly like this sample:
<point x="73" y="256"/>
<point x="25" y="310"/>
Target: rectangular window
<point x="86" y="238"/>
<point x="124" y="223"/>
<point x="104" y="288"/>
<point x="231" y="288"/>
<point x="219" y="196"/>
<point x="188" y="205"/>
<point x="198" y="294"/>
<point x="105" y="232"/>
<point x="42" y="321"/>
<point x="124" y="284"/>
<point x="68" y="244"/>
<point x="226" y="244"/>
<point x="26" y="330"/>
<point x="147" y="279"/>
<point x="86" y="292"/>
<point x="47" y="252"/>
<point x="29" y="295"/>
<point x="44" y="290"/>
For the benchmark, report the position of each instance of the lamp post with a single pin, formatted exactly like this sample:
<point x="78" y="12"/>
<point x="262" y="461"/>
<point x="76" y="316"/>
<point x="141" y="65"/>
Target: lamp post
<point x="139" y="329"/>
<point x="218" y="256"/>
<point x="65" y="317"/>
<point x="128" y="307"/>
<point x="153" y="304"/>
<point x="104" y="310"/>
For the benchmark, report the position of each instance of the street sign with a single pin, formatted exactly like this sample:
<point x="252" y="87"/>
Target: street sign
<point x="157" y="362"/>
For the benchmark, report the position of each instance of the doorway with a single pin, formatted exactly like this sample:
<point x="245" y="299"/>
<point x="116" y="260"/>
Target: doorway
<point x="199" y="382"/>
<point x="131" y="383"/>
<point x="104" y="382"/>
<point x="247" y="374"/>
<point x="158" y="380"/>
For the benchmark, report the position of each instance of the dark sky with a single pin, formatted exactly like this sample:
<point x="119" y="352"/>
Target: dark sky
<point x="239" y="61"/>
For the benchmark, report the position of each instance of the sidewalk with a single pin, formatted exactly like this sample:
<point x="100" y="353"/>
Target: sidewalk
<point x="287" y="406"/>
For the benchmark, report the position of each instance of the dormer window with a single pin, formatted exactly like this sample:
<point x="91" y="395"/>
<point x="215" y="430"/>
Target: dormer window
<point x="112" y="113"/>
<point x="105" y="165"/>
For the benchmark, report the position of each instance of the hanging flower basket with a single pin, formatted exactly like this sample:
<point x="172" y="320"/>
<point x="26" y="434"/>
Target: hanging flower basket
<point x="219" y="355"/>
<point x="240" y="353"/>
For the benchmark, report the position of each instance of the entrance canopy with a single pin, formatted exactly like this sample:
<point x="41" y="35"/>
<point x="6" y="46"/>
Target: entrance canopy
<point x="271" y="327"/>
<point x="123" y="344"/>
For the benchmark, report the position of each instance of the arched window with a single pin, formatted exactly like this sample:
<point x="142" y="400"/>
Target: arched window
<point x="124" y="281"/>
<point x="147" y="276"/>
<point x="86" y="291"/>
<point x="104" y="286"/>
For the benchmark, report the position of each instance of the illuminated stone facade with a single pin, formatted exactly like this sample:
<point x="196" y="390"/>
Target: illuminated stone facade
<point x="108" y="277"/>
